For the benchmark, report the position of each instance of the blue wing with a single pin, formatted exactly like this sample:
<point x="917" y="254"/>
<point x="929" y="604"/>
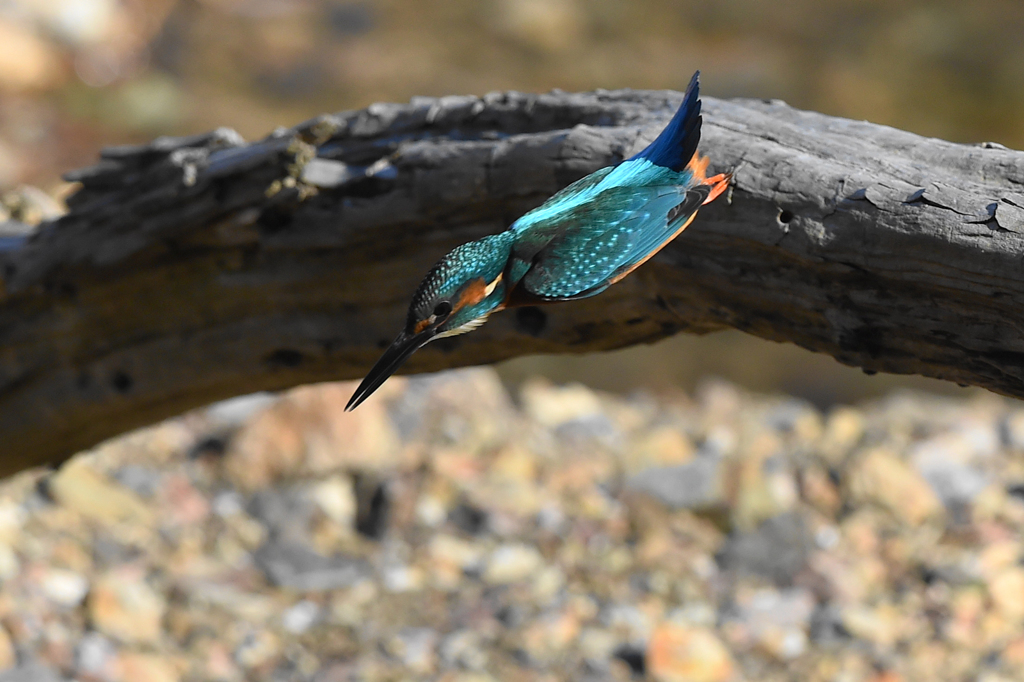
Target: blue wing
<point x="602" y="241"/>
<point x="597" y="230"/>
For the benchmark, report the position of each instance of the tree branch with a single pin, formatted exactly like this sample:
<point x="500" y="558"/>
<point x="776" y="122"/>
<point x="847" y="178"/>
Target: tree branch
<point x="195" y="269"/>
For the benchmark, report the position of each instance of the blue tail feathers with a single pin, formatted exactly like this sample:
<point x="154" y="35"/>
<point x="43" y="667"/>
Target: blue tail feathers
<point x="677" y="143"/>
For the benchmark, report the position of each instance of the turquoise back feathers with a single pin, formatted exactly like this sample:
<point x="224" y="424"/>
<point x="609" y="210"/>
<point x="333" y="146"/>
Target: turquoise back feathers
<point x="576" y="244"/>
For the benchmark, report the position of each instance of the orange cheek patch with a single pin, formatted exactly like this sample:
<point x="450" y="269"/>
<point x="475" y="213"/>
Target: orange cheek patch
<point x="474" y="292"/>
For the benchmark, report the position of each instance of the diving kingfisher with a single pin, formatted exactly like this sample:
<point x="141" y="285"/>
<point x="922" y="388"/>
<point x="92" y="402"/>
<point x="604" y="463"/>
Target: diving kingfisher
<point x="576" y="244"/>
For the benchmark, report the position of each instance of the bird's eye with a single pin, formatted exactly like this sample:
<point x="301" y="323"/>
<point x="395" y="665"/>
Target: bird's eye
<point x="442" y="310"/>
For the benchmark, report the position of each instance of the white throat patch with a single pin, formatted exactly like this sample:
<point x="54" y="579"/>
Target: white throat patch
<point x="468" y="327"/>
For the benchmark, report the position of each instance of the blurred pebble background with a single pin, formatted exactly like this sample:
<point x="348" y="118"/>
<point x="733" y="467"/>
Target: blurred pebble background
<point x="79" y="74"/>
<point x="450" y="531"/>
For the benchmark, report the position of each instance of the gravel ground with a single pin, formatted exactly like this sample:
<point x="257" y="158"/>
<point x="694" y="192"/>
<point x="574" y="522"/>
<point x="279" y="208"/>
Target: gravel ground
<point x="449" y="531"/>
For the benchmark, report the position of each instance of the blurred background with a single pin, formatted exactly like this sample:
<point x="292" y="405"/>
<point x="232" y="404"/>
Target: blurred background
<point x="76" y="75"/>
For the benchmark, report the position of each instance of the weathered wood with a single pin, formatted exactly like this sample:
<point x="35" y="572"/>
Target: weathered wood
<point x="191" y="270"/>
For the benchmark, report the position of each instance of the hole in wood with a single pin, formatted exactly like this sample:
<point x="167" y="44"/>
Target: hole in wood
<point x="785" y="216"/>
<point x="531" y="320"/>
<point x="285" y="357"/>
<point x="121" y="381"/>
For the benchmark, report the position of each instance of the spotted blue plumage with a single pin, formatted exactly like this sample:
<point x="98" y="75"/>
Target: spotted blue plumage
<point x="605" y="240"/>
<point x="576" y="244"/>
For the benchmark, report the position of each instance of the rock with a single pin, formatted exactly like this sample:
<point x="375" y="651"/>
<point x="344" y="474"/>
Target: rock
<point x="227" y="503"/>
<point x="777" y="621"/>
<point x="631" y="624"/>
<point x="309" y="433"/>
<point x="295" y="566"/>
<point x="285" y="512"/>
<point x="79" y="487"/>
<point x="511" y="563"/>
<point x="844" y="428"/>
<point x="133" y="666"/>
<point x="585" y="433"/>
<point x="516" y="548"/>
<point x="881" y="478"/>
<point x="548" y="583"/>
<point x="1013" y="429"/>
<point x="777" y="550"/>
<point x="451" y="557"/>
<point x="509" y="489"/>
<point x="8" y="654"/>
<point x="697" y="485"/>
<point x="554" y="406"/>
<point x="31" y="672"/>
<point x="945" y="462"/>
<point x="765" y="486"/>
<point x="12" y="520"/>
<point x="300" y="617"/>
<point x="997" y="556"/>
<point x="464" y="648"/>
<point x="549" y="636"/>
<point x="795" y="418"/>
<point x="403" y="578"/>
<point x="253" y="607"/>
<point x="416" y="649"/>
<point x="10" y="565"/>
<point x="786" y="644"/>
<point x="880" y="625"/>
<point x="337" y="672"/>
<point x="598" y="646"/>
<point x="1014" y="653"/>
<point x="467" y="409"/>
<point x="679" y="653"/>
<point x="469" y="677"/>
<point x="257" y="649"/>
<point x="94" y="656"/>
<point x="235" y="412"/>
<point x="124" y="607"/>
<point x="1007" y="592"/>
<point x="142" y="480"/>
<point x="12" y="169"/>
<point x="336" y="498"/>
<point x="66" y="588"/>
<point x="661" y="447"/>
<point x="695" y="613"/>
<point x="431" y="510"/>
<point x="818" y="490"/>
<point x="219" y="666"/>
<point x="514" y="464"/>
<point x="180" y="503"/>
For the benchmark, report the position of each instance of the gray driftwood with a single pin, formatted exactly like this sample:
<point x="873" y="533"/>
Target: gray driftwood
<point x="191" y="270"/>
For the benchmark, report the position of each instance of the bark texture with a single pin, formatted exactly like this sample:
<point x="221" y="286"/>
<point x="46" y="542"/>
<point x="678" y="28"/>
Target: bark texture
<point x="194" y="269"/>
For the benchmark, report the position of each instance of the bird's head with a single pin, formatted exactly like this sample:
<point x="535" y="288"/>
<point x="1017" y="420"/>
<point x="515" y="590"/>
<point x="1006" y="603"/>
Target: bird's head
<point x="455" y="297"/>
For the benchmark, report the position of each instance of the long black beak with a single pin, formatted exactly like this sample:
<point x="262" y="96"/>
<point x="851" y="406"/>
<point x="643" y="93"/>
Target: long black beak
<point x="393" y="357"/>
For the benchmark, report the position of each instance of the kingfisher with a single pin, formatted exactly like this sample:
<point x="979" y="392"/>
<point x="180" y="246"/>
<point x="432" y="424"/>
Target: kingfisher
<point x="575" y="245"/>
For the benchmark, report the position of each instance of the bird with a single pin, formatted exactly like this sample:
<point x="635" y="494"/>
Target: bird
<point x="575" y="245"/>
